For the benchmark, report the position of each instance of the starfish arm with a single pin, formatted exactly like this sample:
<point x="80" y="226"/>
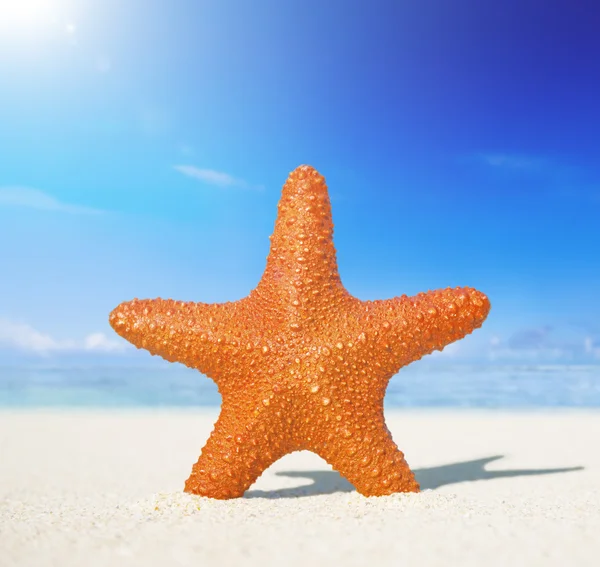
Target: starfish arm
<point x="240" y="448"/>
<point x="369" y="459"/>
<point x="198" y="335"/>
<point x="407" y="328"/>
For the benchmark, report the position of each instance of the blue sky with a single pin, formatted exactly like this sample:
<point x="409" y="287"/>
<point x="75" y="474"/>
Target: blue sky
<point x="143" y="149"/>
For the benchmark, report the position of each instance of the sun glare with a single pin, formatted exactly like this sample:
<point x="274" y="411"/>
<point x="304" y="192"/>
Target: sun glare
<point x="25" y="12"/>
<point x="18" y="16"/>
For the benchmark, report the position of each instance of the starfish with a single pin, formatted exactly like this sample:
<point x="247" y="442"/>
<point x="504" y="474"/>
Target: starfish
<point x="300" y="363"/>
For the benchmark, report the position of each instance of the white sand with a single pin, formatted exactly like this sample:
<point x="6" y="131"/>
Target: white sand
<point x="104" y="489"/>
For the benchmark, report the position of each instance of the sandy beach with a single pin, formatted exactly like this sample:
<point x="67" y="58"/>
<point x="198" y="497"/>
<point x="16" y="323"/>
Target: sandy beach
<point x="105" y="488"/>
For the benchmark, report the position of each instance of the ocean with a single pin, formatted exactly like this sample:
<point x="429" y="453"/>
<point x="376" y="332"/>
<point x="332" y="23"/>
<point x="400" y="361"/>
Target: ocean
<point x="416" y="386"/>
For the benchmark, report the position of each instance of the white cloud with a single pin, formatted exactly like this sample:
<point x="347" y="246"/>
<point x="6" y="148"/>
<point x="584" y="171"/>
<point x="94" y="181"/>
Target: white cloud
<point x="450" y="351"/>
<point x="23" y="337"/>
<point x="212" y="177"/>
<point x="36" y="199"/>
<point x="99" y="342"/>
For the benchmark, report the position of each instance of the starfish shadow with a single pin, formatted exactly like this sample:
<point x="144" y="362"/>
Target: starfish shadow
<point x="330" y="482"/>
<point x="469" y="471"/>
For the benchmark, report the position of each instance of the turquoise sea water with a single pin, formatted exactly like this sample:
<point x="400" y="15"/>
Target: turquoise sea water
<point x="474" y="386"/>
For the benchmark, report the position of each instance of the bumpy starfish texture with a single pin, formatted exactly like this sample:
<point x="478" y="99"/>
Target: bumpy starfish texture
<point x="300" y="363"/>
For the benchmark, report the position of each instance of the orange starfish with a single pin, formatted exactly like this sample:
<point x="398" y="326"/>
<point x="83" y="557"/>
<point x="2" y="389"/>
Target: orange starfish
<point x="300" y="363"/>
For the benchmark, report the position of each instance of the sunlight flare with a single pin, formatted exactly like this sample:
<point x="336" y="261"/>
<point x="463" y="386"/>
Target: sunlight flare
<point x="23" y="17"/>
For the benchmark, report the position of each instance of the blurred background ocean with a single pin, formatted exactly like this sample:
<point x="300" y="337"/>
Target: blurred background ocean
<point x="419" y="385"/>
